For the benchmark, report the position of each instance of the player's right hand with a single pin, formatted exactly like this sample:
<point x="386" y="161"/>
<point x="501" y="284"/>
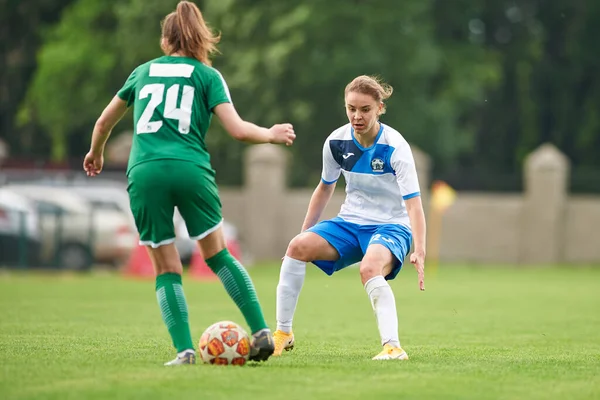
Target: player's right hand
<point x="282" y="134"/>
<point x="93" y="163"/>
<point x="418" y="260"/>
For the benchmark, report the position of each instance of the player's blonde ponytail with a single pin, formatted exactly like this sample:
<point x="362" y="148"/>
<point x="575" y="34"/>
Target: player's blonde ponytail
<point x="185" y="31"/>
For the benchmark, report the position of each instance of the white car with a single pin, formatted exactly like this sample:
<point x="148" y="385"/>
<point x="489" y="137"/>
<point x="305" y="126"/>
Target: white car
<point x="74" y="234"/>
<point x="19" y="230"/>
<point x="112" y="195"/>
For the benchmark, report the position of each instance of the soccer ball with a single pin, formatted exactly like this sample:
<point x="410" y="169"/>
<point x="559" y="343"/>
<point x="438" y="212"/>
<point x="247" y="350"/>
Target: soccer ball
<point x="224" y="343"/>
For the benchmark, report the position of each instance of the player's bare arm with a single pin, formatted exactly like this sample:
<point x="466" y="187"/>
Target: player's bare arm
<point x="318" y="201"/>
<point x="414" y="208"/>
<point x="111" y="115"/>
<point x="248" y="132"/>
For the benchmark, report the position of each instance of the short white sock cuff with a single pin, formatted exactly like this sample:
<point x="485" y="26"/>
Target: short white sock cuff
<point x="374" y="283"/>
<point x="293" y="266"/>
<point x="285" y="327"/>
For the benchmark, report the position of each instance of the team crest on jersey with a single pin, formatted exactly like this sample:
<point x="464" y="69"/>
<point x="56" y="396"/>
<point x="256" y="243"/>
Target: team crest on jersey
<point x="377" y="165"/>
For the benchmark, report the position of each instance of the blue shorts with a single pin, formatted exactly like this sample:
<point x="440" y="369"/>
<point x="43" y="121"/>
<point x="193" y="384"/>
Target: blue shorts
<point x="351" y="242"/>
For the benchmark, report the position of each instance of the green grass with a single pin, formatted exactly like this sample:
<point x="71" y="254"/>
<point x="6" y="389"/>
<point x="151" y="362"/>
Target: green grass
<point x="501" y="333"/>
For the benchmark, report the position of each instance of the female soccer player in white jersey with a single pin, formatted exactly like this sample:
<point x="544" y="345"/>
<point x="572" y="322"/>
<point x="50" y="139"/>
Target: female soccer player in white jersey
<point x="380" y="217"/>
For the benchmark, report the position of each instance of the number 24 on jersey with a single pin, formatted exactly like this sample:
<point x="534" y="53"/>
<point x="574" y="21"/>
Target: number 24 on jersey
<point x="156" y="91"/>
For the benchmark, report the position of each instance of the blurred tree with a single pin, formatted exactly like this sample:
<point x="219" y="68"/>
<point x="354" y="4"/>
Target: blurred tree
<point x="478" y="84"/>
<point x="283" y="61"/>
<point x="76" y="64"/>
<point x="550" y="86"/>
<point x="90" y="53"/>
<point x="22" y="27"/>
<point x="287" y="61"/>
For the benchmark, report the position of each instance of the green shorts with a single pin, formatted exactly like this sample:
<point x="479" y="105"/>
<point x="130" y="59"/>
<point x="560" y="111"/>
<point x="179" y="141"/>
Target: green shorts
<point x="157" y="187"/>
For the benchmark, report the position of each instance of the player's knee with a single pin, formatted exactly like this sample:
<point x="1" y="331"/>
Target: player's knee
<point x="369" y="270"/>
<point x="169" y="267"/>
<point x="300" y="248"/>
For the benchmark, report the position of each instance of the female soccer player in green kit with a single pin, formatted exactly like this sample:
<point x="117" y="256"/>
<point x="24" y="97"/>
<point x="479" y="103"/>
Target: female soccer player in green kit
<point x="173" y="100"/>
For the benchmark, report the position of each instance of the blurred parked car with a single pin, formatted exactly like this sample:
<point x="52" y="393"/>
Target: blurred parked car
<point x="111" y="198"/>
<point x="74" y="234"/>
<point x="19" y="230"/>
<point x="108" y="194"/>
<point x="111" y="195"/>
<point x="101" y="193"/>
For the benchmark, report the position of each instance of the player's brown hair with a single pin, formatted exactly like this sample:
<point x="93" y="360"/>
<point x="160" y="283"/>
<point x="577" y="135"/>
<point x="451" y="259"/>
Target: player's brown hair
<point x="185" y="31"/>
<point x="372" y="86"/>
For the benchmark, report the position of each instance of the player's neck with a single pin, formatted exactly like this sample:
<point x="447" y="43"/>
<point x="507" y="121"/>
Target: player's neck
<point x="367" y="139"/>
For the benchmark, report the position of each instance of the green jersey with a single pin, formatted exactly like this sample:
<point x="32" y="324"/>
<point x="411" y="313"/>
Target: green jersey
<point x="173" y="99"/>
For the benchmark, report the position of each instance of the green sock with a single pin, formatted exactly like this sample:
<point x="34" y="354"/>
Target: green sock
<point x="173" y="308"/>
<point x="239" y="286"/>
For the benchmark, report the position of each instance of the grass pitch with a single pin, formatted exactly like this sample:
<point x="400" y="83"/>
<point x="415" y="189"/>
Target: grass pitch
<point x="475" y="333"/>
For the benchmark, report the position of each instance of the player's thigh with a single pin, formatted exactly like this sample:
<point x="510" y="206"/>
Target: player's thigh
<point x="197" y="198"/>
<point x="309" y="246"/>
<point x="213" y="243"/>
<point x="151" y="203"/>
<point x="378" y="260"/>
<point x="329" y="240"/>
<point x="343" y="247"/>
<point x="386" y="249"/>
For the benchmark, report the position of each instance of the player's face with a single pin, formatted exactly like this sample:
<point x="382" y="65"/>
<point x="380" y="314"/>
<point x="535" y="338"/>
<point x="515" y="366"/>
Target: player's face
<point x="362" y="111"/>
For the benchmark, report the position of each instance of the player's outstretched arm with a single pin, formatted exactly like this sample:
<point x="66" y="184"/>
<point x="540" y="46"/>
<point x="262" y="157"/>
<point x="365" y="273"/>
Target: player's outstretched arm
<point x="248" y="132"/>
<point x="111" y="115"/>
<point x="414" y="207"/>
<point x="318" y="202"/>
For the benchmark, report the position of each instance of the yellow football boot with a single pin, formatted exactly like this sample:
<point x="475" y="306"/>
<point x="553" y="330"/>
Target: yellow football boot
<point x="390" y="352"/>
<point x="283" y="341"/>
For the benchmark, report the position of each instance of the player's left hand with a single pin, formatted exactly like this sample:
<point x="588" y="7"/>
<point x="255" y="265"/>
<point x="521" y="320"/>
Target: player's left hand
<point x="93" y="163"/>
<point x="418" y="260"/>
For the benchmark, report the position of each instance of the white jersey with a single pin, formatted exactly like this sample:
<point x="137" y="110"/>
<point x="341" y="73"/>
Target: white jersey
<point x="378" y="178"/>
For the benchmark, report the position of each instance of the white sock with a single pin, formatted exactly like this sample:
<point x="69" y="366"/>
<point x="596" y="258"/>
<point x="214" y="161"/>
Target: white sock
<point x="384" y="305"/>
<point x="291" y="278"/>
